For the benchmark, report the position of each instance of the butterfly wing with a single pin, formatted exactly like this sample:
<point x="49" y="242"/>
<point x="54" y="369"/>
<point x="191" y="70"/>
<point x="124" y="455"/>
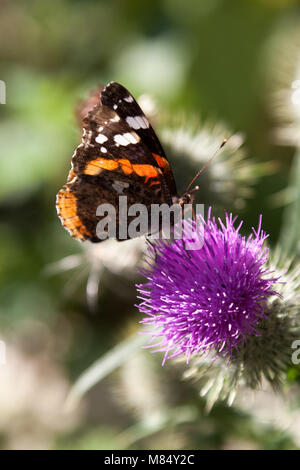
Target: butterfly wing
<point x="113" y="159"/>
<point x="117" y="98"/>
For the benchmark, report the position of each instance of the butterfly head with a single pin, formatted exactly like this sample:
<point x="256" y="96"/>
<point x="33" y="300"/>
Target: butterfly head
<point x="187" y="197"/>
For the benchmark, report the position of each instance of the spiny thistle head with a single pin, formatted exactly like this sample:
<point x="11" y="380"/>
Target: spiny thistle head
<point x="232" y="175"/>
<point x="261" y="358"/>
<point x="98" y="261"/>
<point x="284" y="59"/>
<point x="210" y="298"/>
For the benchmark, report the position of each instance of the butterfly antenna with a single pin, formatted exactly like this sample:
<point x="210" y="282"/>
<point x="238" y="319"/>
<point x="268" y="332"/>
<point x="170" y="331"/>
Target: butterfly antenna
<point x="205" y="166"/>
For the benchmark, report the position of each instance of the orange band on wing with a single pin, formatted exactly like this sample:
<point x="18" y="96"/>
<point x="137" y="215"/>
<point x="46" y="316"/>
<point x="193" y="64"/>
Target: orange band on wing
<point x="126" y="166"/>
<point x="67" y="210"/>
<point x="141" y="170"/>
<point x="145" y="170"/>
<point x="154" y="182"/>
<point x="94" y="167"/>
<point x="161" y="161"/>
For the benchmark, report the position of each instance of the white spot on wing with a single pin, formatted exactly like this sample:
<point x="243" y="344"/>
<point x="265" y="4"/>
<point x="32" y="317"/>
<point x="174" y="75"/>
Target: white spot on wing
<point x="133" y="137"/>
<point x="103" y="150"/>
<point x="116" y="118"/>
<point x="137" y="122"/>
<point x="145" y="120"/>
<point x="115" y="106"/>
<point x="101" y="138"/>
<point x="129" y="99"/>
<point x="121" y="140"/>
<point x="127" y="138"/>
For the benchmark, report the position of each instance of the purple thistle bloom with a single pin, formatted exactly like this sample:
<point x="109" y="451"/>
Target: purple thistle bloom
<point x="211" y="297"/>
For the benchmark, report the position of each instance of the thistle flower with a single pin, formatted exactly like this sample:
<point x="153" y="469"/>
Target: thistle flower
<point x="263" y="358"/>
<point x="210" y="298"/>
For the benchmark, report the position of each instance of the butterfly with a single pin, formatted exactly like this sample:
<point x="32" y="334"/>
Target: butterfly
<point x="119" y="155"/>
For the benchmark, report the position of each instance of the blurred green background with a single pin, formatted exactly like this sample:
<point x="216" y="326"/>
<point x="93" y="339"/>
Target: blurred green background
<point x="213" y="59"/>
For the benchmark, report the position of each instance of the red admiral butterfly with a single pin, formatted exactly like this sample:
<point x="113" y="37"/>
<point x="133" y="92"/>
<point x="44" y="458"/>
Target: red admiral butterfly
<point x="120" y="154"/>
